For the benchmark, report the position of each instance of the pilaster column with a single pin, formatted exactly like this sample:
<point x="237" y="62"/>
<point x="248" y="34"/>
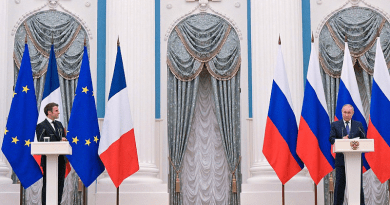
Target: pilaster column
<point x="5" y="94"/>
<point x="133" y="22"/>
<point x="269" y="20"/>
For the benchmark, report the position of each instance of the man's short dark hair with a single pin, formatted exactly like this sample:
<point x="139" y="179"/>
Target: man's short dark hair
<point x="49" y="107"/>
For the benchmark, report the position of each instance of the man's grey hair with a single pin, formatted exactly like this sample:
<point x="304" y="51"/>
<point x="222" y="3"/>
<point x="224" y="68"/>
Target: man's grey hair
<point x="353" y="109"/>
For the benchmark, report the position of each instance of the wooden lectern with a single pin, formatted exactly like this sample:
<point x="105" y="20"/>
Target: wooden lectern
<point x="352" y="150"/>
<point x="51" y="150"/>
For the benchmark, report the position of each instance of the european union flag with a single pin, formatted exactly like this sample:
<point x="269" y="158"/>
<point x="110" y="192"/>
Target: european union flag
<point x="20" y="129"/>
<point x="83" y="128"/>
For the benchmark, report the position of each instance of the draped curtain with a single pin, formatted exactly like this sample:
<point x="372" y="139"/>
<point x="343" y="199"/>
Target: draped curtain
<point x="360" y="26"/>
<point x="203" y="41"/>
<point x="68" y="37"/>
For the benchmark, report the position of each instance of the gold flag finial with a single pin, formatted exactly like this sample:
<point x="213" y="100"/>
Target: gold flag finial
<point x="279" y="42"/>
<point x="85" y="41"/>
<point x="118" y="43"/>
<point x="25" y="40"/>
<point x="312" y="37"/>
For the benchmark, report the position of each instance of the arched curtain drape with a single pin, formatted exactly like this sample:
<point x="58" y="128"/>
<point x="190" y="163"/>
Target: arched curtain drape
<point x="203" y="41"/>
<point x="361" y="27"/>
<point x="68" y="38"/>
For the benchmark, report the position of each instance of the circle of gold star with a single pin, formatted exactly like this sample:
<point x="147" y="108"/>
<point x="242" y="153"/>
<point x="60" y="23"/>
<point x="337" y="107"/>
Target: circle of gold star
<point x="5" y="132"/>
<point x="27" y="143"/>
<point x="15" y="139"/>
<point x="75" y="140"/>
<point x="96" y="139"/>
<point x="25" y="89"/>
<point x="88" y="142"/>
<point x="14" y="94"/>
<point x="85" y="90"/>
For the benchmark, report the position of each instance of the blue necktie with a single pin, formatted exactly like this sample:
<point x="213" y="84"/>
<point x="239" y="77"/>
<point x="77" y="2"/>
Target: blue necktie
<point x="347" y="127"/>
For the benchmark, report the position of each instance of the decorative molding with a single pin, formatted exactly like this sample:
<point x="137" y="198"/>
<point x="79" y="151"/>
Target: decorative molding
<point x="169" y="6"/>
<point x="50" y="5"/>
<point x="76" y="16"/>
<point x="230" y="20"/>
<point x="326" y="18"/>
<point x="24" y="17"/>
<point x="224" y="16"/>
<point x="353" y="3"/>
<point x="377" y="9"/>
<point x="237" y="4"/>
<point x="87" y="4"/>
<point x="172" y="26"/>
<point x="17" y="1"/>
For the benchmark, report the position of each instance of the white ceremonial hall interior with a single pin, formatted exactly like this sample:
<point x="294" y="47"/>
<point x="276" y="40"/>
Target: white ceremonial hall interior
<point x="144" y="28"/>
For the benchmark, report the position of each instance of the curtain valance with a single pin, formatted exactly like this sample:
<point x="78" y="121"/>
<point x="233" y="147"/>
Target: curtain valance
<point x="68" y="36"/>
<point x="203" y="39"/>
<point x="361" y="27"/>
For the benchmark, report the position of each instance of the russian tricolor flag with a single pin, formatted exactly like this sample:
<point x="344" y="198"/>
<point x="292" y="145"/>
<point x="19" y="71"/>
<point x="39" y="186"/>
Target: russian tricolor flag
<point x="349" y="94"/>
<point x="313" y="145"/>
<point x="378" y="127"/>
<point x="117" y="148"/>
<point x="281" y="130"/>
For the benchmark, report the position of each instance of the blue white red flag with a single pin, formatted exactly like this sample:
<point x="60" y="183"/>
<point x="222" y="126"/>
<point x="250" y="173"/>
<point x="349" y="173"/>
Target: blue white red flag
<point x="281" y="130"/>
<point x="51" y="91"/>
<point x="349" y="94"/>
<point x="378" y="127"/>
<point x="20" y="129"/>
<point x="313" y="135"/>
<point x="117" y="148"/>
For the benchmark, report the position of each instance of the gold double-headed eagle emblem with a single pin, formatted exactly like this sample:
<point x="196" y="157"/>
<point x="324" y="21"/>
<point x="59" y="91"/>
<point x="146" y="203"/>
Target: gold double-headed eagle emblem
<point x="354" y="145"/>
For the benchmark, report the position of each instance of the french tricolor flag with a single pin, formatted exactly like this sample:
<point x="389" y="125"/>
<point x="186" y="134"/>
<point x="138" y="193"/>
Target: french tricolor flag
<point x="117" y="148"/>
<point x="281" y="130"/>
<point x="378" y="127"/>
<point x="51" y="93"/>
<point x="313" y="145"/>
<point x="349" y="94"/>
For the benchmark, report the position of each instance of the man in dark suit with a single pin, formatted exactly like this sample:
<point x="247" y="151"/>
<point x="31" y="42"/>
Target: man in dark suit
<point x="345" y="129"/>
<point x="53" y="129"/>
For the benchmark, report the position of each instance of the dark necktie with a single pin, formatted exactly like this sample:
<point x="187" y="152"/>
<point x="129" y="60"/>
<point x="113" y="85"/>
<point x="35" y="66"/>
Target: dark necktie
<point x="347" y="127"/>
<point x="55" y="127"/>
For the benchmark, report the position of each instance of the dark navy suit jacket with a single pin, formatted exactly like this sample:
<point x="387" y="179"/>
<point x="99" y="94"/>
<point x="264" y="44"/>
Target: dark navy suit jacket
<point x="44" y="129"/>
<point x="338" y="131"/>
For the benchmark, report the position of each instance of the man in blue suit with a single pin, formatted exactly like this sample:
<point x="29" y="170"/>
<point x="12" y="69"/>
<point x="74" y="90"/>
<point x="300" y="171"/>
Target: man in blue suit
<point x="53" y="129"/>
<point x="345" y="129"/>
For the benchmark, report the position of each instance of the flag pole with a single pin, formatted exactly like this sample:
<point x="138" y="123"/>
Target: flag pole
<point x="315" y="193"/>
<point x="84" y="195"/>
<point x="117" y="195"/>
<point x="280" y="42"/>
<point x="315" y="185"/>
<point x="282" y="194"/>
<point x="21" y="194"/>
<point x="388" y="181"/>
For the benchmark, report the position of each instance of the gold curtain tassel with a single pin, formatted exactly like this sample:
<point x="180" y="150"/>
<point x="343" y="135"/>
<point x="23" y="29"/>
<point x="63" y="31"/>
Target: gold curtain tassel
<point x="331" y="186"/>
<point x="177" y="183"/>
<point x="234" y="184"/>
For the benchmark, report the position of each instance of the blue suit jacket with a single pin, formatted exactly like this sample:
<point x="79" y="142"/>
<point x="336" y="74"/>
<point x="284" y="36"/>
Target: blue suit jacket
<point x="337" y="131"/>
